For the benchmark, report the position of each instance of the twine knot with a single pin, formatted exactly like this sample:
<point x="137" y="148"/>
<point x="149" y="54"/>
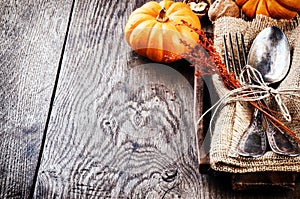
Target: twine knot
<point x="254" y="74"/>
<point x="273" y="91"/>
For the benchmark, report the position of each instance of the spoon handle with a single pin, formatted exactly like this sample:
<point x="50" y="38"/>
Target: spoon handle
<point x="280" y="142"/>
<point x="254" y="141"/>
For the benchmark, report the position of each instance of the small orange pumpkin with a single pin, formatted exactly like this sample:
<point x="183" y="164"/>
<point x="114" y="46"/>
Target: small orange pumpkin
<point x="277" y="9"/>
<point x="155" y="30"/>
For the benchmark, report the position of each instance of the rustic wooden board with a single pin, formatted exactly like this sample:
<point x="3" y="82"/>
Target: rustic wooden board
<point x="31" y="40"/>
<point x="119" y="129"/>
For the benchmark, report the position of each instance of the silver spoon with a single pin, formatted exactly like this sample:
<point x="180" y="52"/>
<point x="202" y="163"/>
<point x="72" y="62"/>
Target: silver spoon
<point x="270" y="55"/>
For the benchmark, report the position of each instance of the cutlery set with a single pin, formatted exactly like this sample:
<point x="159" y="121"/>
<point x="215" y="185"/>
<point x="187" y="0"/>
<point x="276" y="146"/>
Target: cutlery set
<point x="270" y="55"/>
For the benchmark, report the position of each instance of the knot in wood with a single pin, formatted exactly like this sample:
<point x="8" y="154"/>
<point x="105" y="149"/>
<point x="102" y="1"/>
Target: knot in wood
<point x="169" y="175"/>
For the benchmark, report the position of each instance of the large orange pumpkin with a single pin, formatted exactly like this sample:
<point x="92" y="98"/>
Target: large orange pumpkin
<point x="155" y="30"/>
<point x="277" y="9"/>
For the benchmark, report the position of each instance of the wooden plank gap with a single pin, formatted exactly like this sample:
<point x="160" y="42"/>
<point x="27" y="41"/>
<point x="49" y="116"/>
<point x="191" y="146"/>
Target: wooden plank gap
<point x="32" y="190"/>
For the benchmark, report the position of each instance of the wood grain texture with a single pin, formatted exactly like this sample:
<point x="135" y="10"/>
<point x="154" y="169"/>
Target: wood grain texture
<point x="119" y="129"/>
<point x="31" y="39"/>
<point x="120" y="126"/>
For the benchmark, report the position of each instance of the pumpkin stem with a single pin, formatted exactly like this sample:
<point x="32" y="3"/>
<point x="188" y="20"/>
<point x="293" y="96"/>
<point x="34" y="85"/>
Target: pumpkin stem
<point x="162" y="16"/>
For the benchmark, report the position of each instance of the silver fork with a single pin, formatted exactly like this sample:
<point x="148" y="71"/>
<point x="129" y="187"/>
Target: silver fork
<point x="254" y="141"/>
<point x="257" y="136"/>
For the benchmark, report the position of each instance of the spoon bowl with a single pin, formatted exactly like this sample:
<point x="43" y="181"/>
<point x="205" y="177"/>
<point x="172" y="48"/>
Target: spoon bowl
<point x="270" y="55"/>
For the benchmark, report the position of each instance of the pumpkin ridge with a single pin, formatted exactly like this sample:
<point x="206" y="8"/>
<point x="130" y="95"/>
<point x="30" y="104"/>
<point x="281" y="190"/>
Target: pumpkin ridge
<point x="178" y="6"/>
<point x="249" y="9"/>
<point x="189" y="40"/>
<point x="278" y="11"/>
<point x="155" y="42"/>
<point x="143" y="30"/>
<point x="136" y="20"/>
<point x="181" y="12"/>
<point x="186" y="33"/>
<point x="170" y="47"/>
<point x="286" y="5"/>
<point x="183" y="37"/>
<point x="180" y="15"/>
<point x="262" y="8"/>
<point x="175" y="34"/>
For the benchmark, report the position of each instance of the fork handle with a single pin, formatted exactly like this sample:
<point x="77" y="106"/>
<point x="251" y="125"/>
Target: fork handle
<point x="254" y="141"/>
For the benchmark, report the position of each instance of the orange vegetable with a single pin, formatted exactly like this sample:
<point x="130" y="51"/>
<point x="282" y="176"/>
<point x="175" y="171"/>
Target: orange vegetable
<point x="155" y="30"/>
<point x="277" y="9"/>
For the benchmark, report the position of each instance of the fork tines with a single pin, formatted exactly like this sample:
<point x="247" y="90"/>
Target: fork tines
<point x="237" y="58"/>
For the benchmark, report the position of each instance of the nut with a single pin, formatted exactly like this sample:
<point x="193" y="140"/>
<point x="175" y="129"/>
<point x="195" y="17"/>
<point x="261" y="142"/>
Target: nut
<point x="199" y="7"/>
<point x="221" y="8"/>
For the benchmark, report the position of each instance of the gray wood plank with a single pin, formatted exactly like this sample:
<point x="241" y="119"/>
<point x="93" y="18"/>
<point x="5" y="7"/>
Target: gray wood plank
<point x="31" y="39"/>
<point x="121" y="127"/>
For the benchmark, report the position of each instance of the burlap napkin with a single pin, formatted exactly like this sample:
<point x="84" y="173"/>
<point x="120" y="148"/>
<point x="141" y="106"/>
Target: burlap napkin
<point x="234" y="118"/>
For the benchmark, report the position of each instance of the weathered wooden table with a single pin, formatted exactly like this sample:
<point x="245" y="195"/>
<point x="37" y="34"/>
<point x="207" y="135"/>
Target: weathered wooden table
<point x="82" y="116"/>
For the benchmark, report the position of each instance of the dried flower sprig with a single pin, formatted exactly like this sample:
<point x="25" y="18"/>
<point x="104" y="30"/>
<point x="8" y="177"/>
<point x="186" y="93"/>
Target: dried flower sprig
<point x="206" y="60"/>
